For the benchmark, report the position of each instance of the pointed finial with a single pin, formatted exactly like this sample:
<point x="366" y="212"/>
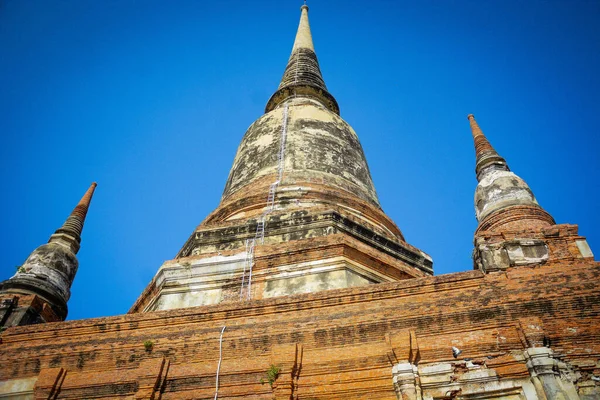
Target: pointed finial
<point x="485" y="154"/>
<point x="302" y="76"/>
<point x="50" y="269"/>
<point x="73" y="226"/>
<point x="83" y="205"/>
<point x="303" y="36"/>
<point x="502" y="198"/>
<point x="482" y="145"/>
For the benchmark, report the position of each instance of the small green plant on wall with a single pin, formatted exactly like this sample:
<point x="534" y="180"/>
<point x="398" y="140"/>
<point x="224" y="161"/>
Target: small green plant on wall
<point x="148" y="345"/>
<point x="20" y="269"/>
<point x="272" y="375"/>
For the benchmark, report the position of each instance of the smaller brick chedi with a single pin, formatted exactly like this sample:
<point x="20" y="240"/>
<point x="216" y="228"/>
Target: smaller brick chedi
<point x="41" y="287"/>
<point x="299" y="286"/>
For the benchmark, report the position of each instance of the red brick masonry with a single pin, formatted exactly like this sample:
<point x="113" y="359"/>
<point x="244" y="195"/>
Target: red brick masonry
<point x="329" y="345"/>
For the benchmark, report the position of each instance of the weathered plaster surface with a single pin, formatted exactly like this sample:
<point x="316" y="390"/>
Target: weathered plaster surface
<point x="194" y="282"/>
<point x="584" y="248"/>
<point x="320" y="146"/>
<point x="499" y="189"/>
<point x="190" y="282"/>
<point x="291" y="225"/>
<point x="55" y="264"/>
<point x="510" y="253"/>
<point x="48" y="272"/>
<point x="535" y="374"/>
<point x="18" y="389"/>
<point x="324" y="274"/>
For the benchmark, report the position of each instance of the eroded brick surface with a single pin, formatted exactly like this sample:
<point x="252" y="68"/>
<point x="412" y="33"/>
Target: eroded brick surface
<point x="344" y="337"/>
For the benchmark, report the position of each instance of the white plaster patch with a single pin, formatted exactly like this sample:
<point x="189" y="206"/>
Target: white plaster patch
<point x="333" y="273"/>
<point x="190" y="282"/>
<point x="263" y="141"/>
<point x="523" y="252"/>
<point x="59" y="281"/>
<point x="490" y="176"/>
<point x="168" y="301"/>
<point x="440" y="379"/>
<point x="584" y="248"/>
<point x="18" y="389"/>
<point x="508" y="189"/>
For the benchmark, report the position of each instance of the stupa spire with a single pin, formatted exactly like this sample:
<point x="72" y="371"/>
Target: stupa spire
<point x="503" y="200"/>
<point x="48" y="273"/>
<point x="71" y="230"/>
<point x="302" y="76"/>
<point x="485" y="154"/>
<point x="303" y="36"/>
<point x="299" y="182"/>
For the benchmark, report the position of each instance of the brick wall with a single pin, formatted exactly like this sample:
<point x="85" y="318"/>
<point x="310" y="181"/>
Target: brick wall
<point x="331" y="344"/>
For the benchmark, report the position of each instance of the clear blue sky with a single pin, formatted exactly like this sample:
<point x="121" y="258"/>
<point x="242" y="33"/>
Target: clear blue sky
<point x="151" y="99"/>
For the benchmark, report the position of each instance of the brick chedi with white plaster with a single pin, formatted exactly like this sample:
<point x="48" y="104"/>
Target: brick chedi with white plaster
<point x="299" y="212"/>
<point x="41" y="287"/>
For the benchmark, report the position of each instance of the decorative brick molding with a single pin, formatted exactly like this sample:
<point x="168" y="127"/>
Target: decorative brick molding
<point x="406" y="381"/>
<point x="497" y="251"/>
<point x="553" y="379"/>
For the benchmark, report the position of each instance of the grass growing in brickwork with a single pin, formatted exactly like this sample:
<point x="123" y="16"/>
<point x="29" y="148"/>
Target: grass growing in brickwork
<point x="148" y="345"/>
<point x="272" y="375"/>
